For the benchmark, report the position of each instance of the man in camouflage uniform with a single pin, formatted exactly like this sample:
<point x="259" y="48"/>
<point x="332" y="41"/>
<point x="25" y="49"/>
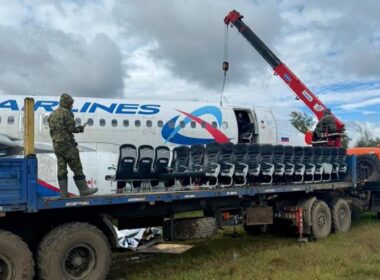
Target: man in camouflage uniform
<point x="62" y="126"/>
<point x="326" y="124"/>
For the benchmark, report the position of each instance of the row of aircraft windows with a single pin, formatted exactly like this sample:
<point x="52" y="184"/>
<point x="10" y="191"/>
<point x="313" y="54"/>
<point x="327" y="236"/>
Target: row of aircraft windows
<point x="126" y="123"/>
<point x="148" y="123"/>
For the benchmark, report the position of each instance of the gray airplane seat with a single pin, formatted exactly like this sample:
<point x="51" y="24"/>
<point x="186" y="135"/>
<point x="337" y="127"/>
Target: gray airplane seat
<point x="289" y="163"/>
<point x="318" y="155"/>
<point x="211" y="165"/>
<point x="126" y="167"/>
<point x="161" y="163"/>
<point x="299" y="166"/>
<point x="145" y="165"/>
<point x="267" y="165"/>
<point x="179" y="167"/>
<point x="335" y="163"/>
<point x="278" y="161"/>
<point x="253" y="160"/>
<point x="342" y="157"/>
<point x="308" y="161"/>
<point x="241" y="166"/>
<point x="195" y="166"/>
<point x="327" y="164"/>
<point x="227" y="166"/>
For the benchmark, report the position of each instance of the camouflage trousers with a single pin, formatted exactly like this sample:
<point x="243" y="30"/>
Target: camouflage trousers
<point x="69" y="156"/>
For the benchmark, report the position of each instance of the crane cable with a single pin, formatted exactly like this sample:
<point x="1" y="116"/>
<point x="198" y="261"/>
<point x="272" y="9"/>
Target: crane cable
<point x="225" y="65"/>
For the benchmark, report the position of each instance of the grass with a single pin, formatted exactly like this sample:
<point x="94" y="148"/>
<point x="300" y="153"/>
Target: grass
<point x="354" y="255"/>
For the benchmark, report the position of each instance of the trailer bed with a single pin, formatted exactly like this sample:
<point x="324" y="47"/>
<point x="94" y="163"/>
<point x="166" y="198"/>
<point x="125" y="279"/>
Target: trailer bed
<point x="18" y="190"/>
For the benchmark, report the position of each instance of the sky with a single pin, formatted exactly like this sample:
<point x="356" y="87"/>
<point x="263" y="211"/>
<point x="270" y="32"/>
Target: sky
<point x="173" y="50"/>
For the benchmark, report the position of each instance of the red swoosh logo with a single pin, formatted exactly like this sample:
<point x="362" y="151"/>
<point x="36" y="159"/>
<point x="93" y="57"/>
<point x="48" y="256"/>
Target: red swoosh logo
<point x="217" y="134"/>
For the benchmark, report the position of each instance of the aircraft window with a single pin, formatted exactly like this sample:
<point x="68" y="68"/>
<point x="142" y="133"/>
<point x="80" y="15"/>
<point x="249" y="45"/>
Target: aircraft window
<point x="214" y="125"/>
<point x="126" y="123"/>
<point x="160" y="123"/>
<point x="149" y="123"/>
<point x="171" y="124"/>
<point x="182" y="124"/>
<point x="137" y="123"/>
<point x="102" y="122"/>
<point x="78" y="121"/>
<point x="11" y="120"/>
<point x="193" y="124"/>
<point x="90" y="122"/>
<point x="225" y="125"/>
<point x="114" y="122"/>
<point x="203" y="124"/>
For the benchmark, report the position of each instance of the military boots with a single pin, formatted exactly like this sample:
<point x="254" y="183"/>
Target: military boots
<point x="63" y="187"/>
<point x="84" y="190"/>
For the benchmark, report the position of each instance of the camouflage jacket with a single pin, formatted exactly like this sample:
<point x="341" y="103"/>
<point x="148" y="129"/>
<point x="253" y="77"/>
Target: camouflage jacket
<point x="62" y="126"/>
<point x="326" y="124"/>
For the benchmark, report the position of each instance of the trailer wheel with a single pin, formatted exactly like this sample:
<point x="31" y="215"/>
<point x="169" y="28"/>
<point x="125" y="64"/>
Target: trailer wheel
<point x="341" y="216"/>
<point x="74" y="251"/>
<point x="320" y="219"/>
<point x="372" y="164"/>
<point x="188" y="229"/>
<point x="16" y="260"/>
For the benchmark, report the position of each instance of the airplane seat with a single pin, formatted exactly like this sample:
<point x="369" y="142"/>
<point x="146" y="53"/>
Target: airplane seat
<point x="288" y="162"/>
<point x="241" y="166"/>
<point x="342" y="156"/>
<point x="196" y="157"/>
<point x="126" y="166"/>
<point x="144" y="166"/>
<point x="211" y="165"/>
<point x="299" y="166"/>
<point x="195" y="165"/>
<point x="253" y="160"/>
<point x="278" y="161"/>
<point x="179" y="166"/>
<point x="161" y="162"/>
<point x="308" y="161"/>
<point x="267" y="165"/>
<point x="227" y="167"/>
<point x="335" y="163"/>
<point x="318" y="154"/>
<point x="327" y="166"/>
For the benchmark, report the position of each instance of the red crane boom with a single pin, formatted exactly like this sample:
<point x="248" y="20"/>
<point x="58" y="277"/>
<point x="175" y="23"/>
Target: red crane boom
<point x="280" y="69"/>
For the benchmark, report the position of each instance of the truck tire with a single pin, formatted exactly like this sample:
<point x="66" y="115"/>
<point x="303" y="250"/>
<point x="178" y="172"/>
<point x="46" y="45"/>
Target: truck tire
<point x="74" y="251"/>
<point x="16" y="260"/>
<point x="320" y="219"/>
<point x="341" y="216"/>
<point x="188" y="229"/>
<point x="372" y="163"/>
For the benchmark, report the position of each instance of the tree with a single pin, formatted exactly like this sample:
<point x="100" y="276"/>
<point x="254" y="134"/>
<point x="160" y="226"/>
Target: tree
<point x="366" y="138"/>
<point x="302" y="121"/>
<point x="346" y="140"/>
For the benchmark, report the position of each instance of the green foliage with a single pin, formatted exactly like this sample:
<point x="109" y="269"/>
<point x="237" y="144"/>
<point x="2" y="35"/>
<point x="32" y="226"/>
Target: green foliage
<point x="302" y="121"/>
<point x="366" y="138"/>
<point x="346" y="140"/>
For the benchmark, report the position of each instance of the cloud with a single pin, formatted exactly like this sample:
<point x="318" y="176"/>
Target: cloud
<point x="47" y="62"/>
<point x="188" y="37"/>
<point x="174" y="49"/>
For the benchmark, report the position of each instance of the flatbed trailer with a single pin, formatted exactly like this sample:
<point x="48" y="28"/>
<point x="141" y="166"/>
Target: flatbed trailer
<point x="72" y="237"/>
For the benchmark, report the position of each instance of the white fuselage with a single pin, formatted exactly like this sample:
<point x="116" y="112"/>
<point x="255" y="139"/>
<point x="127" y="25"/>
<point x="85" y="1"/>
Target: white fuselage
<point x="112" y="122"/>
